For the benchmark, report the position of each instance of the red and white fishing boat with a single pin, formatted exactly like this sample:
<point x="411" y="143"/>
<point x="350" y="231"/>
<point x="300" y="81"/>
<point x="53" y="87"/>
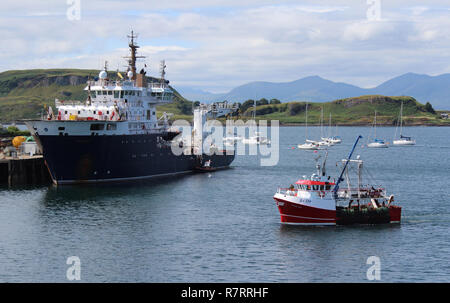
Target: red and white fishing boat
<point x="318" y="200"/>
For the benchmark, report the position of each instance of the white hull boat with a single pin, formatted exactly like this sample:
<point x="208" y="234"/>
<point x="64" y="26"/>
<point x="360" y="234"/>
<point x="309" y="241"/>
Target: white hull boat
<point x="379" y="144"/>
<point x="404" y="140"/>
<point x="309" y="145"/>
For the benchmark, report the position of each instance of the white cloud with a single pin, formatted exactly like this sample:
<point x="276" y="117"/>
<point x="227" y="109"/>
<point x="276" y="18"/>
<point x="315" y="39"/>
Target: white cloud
<point x="219" y="44"/>
<point x="366" y="30"/>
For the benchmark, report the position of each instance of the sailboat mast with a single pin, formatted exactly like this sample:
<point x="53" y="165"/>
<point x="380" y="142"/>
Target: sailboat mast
<point x="306" y="122"/>
<point x="375" y="125"/>
<point x="401" y="119"/>
<point x="321" y="123"/>
<point x="329" y="127"/>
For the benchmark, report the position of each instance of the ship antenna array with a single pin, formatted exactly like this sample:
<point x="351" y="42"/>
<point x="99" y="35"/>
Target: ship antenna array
<point x="89" y="98"/>
<point x="133" y="53"/>
<point x="163" y="71"/>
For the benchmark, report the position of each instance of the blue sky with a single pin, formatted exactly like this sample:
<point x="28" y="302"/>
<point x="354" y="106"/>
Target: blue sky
<point x="217" y="45"/>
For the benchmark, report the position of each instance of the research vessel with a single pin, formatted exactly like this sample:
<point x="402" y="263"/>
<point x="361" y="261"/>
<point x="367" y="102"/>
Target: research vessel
<point x="115" y="134"/>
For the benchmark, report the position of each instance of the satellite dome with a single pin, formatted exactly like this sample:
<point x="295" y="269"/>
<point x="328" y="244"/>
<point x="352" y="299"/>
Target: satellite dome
<point x="103" y="74"/>
<point x="130" y="74"/>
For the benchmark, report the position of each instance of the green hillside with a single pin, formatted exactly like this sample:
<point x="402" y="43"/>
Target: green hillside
<point x="23" y="94"/>
<point x="352" y="111"/>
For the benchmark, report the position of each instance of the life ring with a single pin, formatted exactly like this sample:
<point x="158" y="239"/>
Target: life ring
<point x="321" y="193"/>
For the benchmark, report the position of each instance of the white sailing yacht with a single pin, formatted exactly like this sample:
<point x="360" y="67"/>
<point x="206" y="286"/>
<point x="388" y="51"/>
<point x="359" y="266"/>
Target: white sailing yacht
<point x="309" y="144"/>
<point x="256" y="138"/>
<point x="377" y="143"/>
<point x="322" y="142"/>
<point x="404" y="140"/>
<point x="331" y="139"/>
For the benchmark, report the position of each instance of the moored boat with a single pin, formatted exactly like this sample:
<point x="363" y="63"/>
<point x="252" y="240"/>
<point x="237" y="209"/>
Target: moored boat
<point x="377" y="142"/>
<point x="115" y="135"/>
<point x="309" y="144"/>
<point x="205" y="167"/>
<point x="403" y="140"/>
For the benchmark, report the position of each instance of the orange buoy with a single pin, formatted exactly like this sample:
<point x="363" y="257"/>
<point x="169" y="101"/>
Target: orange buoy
<point x="17" y="141"/>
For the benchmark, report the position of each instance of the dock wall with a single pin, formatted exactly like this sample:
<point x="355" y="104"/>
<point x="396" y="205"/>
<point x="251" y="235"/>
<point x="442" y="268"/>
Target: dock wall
<point x="24" y="171"/>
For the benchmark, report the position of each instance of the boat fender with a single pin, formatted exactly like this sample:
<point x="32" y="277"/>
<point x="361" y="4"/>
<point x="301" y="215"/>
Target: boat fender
<point x="321" y="194"/>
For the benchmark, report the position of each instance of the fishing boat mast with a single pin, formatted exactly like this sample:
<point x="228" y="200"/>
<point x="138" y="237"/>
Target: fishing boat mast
<point x="336" y="187"/>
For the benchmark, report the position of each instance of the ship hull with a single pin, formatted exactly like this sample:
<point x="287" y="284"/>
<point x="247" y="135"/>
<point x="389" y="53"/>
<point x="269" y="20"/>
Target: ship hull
<point x="92" y="159"/>
<point x="404" y="142"/>
<point x="299" y="214"/>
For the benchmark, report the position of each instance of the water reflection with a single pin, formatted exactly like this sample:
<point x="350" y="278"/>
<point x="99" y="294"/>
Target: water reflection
<point x="76" y="195"/>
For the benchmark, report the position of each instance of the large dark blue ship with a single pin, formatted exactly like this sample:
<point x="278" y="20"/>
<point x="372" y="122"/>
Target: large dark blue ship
<point x="115" y="134"/>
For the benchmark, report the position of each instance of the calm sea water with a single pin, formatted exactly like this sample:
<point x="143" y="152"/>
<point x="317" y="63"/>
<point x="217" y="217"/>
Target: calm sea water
<point x="224" y="227"/>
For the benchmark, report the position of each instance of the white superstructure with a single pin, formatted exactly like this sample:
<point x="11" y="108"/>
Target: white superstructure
<point x="127" y="105"/>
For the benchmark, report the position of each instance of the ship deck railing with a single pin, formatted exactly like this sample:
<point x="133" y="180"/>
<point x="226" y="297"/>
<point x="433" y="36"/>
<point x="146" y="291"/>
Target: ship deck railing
<point x="344" y="193"/>
<point x="69" y="102"/>
<point x="129" y="83"/>
<point x="294" y="191"/>
<point x="361" y="193"/>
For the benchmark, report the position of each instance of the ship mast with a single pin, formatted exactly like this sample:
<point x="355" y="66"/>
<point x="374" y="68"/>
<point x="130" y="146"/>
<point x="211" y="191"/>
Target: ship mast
<point x="133" y="50"/>
<point x="336" y="186"/>
<point x="163" y="71"/>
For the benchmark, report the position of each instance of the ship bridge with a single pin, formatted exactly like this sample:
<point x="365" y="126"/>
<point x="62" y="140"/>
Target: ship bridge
<point x="107" y="91"/>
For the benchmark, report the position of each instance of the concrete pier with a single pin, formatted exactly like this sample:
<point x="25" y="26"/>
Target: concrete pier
<point x="23" y="170"/>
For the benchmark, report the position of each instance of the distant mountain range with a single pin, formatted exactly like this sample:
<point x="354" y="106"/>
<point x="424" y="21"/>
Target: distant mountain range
<point x="424" y="88"/>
